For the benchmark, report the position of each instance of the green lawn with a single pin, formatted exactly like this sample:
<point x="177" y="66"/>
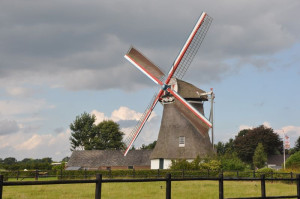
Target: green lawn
<point x="156" y="190"/>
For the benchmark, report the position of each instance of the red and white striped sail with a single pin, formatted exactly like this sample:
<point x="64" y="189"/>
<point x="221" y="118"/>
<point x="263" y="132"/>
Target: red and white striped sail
<point x="178" y="69"/>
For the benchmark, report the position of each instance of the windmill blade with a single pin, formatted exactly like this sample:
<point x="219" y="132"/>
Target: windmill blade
<point x="144" y="65"/>
<point x="190" y="48"/>
<point x="138" y="128"/>
<point x="198" y="120"/>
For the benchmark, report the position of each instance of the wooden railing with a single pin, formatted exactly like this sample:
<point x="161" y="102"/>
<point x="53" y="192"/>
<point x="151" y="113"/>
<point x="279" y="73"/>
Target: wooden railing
<point x="168" y="179"/>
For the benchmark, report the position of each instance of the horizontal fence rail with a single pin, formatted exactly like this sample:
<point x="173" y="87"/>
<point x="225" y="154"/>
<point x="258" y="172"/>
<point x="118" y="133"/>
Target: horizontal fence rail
<point x="85" y="174"/>
<point x="168" y="180"/>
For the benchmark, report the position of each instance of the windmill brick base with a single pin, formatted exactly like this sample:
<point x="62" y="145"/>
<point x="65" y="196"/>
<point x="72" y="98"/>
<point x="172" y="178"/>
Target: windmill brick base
<point x="178" y="138"/>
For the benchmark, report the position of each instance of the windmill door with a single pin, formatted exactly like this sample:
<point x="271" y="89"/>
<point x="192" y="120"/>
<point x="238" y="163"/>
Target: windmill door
<point x="161" y="163"/>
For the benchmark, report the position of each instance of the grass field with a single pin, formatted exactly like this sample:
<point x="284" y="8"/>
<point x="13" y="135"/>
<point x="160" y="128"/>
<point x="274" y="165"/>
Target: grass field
<point x="156" y="190"/>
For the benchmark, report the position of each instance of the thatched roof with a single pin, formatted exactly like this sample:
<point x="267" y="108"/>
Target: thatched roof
<point x="109" y="158"/>
<point x="187" y="90"/>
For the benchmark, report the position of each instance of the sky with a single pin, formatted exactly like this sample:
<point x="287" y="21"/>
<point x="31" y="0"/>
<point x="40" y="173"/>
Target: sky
<point x="61" y="58"/>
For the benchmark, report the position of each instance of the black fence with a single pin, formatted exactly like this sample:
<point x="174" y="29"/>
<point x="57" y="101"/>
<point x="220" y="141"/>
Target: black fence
<point x="85" y="174"/>
<point x="168" y="180"/>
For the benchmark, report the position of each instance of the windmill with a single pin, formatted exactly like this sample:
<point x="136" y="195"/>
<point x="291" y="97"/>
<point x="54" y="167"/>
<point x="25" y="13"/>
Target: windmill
<point x="182" y="101"/>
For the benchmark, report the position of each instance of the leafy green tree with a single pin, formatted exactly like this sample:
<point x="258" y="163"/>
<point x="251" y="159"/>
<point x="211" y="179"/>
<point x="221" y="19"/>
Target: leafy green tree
<point x="149" y="146"/>
<point x="223" y="148"/>
<point x="86" y="135"/>
<point x="10" y="161"/>
<point x="65" y="159"/>
<point x="231" y="162"/>
<point x="246" y="142"/>
<point x="83" y="132"/>
<point x="260" y="157"/>
<point x="297" y="144"/>
<point x="293" y="161"/>
<point x="296" y="148"/>
<point x="181" y="164"/>
<point x="108" y="136"/>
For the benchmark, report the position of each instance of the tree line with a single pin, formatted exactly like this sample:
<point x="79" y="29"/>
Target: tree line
<point x="11" y="163"/>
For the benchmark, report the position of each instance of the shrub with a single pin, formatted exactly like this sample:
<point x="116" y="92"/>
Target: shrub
<point x="293" y="161"/>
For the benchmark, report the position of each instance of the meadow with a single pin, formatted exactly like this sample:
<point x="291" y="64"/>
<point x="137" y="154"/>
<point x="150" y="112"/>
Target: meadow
<point x="184" y="189"/>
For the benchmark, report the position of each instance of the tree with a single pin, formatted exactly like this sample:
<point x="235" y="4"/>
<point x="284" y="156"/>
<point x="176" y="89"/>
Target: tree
<point x="246" y="142"/>
<point x="260" y="157"/>
<point x="222" y="148"/>
<point x="83" y="132"/>
<point x="65" y="159"/>
<point x="296" y="148"/>
<point x="109" y="136"/>
<point x="10" y="161"/>
<point x="86" y="135"/>
<point x="149" y="146"/>
<point x="293" y="161"/>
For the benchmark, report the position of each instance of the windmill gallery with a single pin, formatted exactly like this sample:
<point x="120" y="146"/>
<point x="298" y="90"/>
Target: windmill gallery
<point x="184" y="129"/>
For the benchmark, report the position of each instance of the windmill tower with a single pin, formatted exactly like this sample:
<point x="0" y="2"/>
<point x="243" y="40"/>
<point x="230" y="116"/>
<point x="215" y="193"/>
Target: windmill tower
<point x="184" y="128"/>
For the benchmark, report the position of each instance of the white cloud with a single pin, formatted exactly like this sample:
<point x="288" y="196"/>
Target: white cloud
<point x="243" y="127"/>
<point x="19" y="91"/>
<point x="15" y="107"/>
<point x="123" y="113"/>
<point x="8" y="127"/>
<point x="33" y="145"/>
<point x="55" y="47"/>
<point x="149" y="132"/>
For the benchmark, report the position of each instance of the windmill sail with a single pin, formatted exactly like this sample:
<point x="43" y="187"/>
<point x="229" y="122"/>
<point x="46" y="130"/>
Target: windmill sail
<point x="129" y="140"/>
<point x="190" y="48"/>
<point x="144" y="65"/>
<point x="178" y="69"/>
<point x="192" y="114"/>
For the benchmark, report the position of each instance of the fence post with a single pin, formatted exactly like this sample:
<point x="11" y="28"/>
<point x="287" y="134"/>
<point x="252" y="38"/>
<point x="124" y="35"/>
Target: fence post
<point x="18" y="174"/>
<point x="110" y="174"/>
<point x="253" y="173"/>
<point x="61" y="173"/>
<point x="263" y="186"/>
<point x="158" y="175"/>
<point x="182" y="173"/>
<point x="272" y="176"/>
<point x="36" y="174"/>
<point x="85" y="175"/>
<point x="237" y="173"/>
<point x="292" y="175"/>
<point x="1" y="186"/>
<point x="221" y="186"/>
<point x="98" y="186"/>
<point x="168" y="186"/>
<point x="298" y="185"/>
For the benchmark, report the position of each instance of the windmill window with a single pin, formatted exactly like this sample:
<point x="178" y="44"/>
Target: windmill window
<point x="181" y="141"/>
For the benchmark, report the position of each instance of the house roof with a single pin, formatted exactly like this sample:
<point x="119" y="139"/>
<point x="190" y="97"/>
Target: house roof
<point x="108" y="158"/>
<point x="276" y="159"/>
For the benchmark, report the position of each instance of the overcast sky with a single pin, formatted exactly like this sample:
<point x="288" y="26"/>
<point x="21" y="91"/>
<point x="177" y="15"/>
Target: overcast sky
<point x="60" y="58"/>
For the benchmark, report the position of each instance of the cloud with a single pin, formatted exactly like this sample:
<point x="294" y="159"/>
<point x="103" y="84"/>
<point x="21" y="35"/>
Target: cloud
<point x="55" y="42"/>
<point x="33" y="145"/>
<point x="8" y="127"/>
<point x="244" y="127"/>
<point x="121" y="114"/>
<point x="128" y="119"/>
<point x="16" y="107"/>
<point x="22" y="142"/>
<point x="19" y="91"/>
